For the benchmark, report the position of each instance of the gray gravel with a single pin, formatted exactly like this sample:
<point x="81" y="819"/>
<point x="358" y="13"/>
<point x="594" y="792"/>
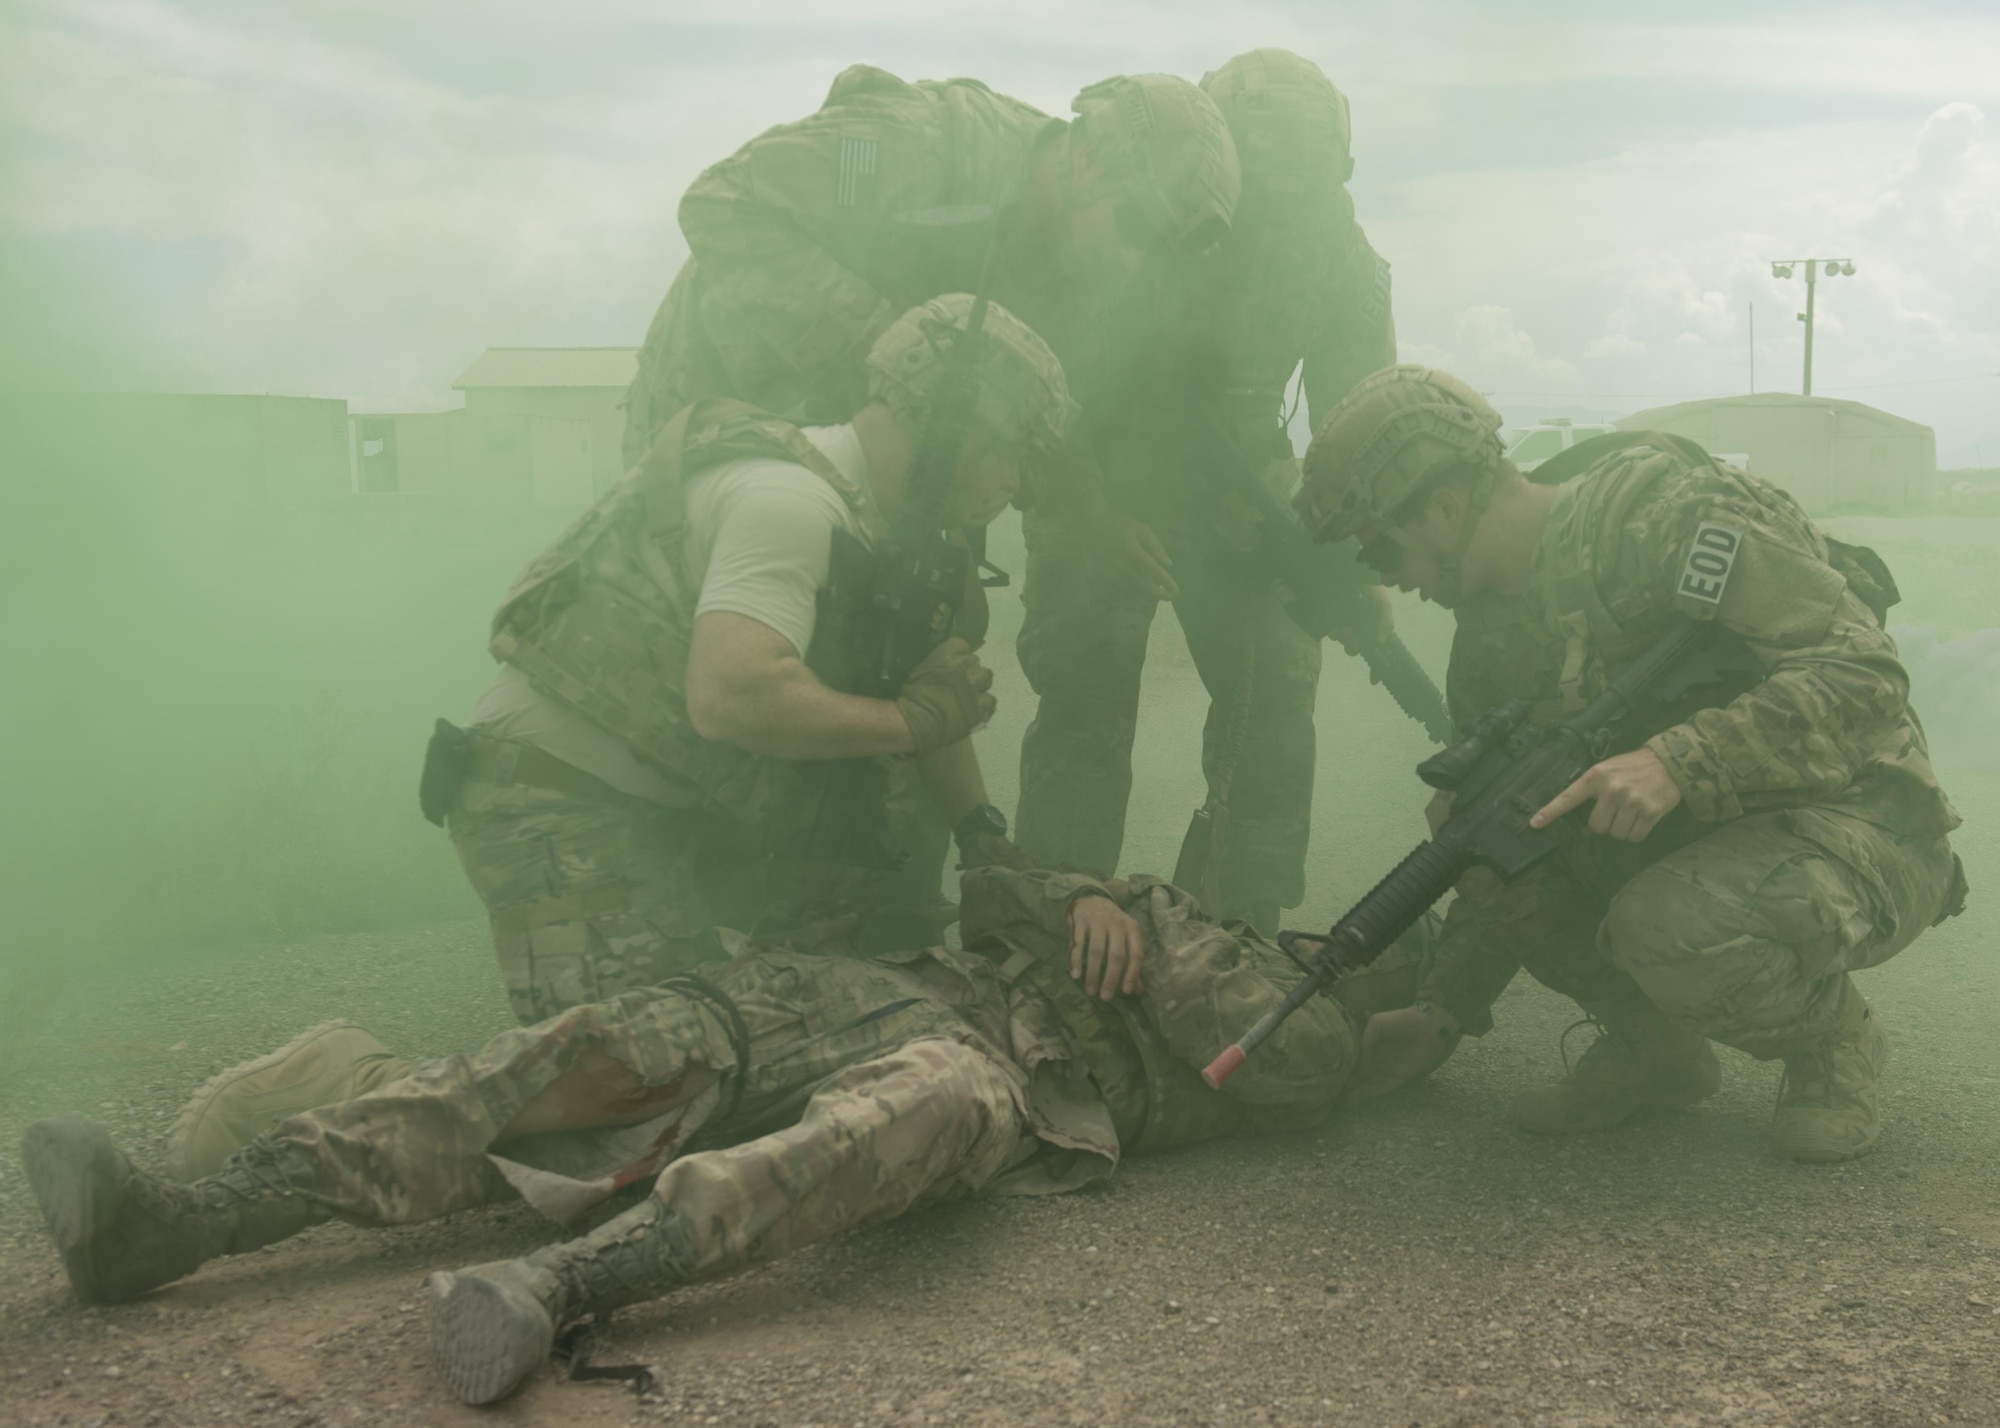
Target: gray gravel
<point x="1419" y="1262"/>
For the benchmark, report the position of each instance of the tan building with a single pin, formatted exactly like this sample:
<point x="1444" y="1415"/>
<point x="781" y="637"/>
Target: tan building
<point x="1828" y="453"/>
<point x="540" y="425"/>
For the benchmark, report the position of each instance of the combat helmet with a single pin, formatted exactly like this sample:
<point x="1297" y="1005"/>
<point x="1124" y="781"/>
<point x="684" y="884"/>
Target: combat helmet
<point x="1387" y="441"/>
<point x="1289" y="123"/>
<point x="1166" y="150"/>
<point x="1023" y="394"/>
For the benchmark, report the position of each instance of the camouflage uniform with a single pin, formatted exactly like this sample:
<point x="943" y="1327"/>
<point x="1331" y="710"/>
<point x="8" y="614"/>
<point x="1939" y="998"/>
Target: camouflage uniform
<point x="1295" y="280"/>
<point x="593" y="891"/>
<point x="1811" y="841"/>
<point x="800" y="1095"/>
<point x="806" y="242"/>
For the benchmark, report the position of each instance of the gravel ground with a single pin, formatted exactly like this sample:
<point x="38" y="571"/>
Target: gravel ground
<point x="1419" y="1262"/>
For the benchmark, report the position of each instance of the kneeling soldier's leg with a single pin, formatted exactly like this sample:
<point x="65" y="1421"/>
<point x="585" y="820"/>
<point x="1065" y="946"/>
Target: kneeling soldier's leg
<point x="591" y="897"/>
<point x="931" y="1119"/>
<point x="1748" y="935"/>
<point x="1641" y="1058"/>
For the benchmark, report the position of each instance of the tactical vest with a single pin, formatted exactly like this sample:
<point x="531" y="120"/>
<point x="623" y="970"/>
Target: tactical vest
<point x="602" y="620"/>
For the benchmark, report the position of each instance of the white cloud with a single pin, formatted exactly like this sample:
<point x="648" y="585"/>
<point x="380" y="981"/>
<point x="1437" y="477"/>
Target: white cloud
<point x="276" y="200"/>
<point x="1615" y="347"/>
<point x="1489" y="350"/>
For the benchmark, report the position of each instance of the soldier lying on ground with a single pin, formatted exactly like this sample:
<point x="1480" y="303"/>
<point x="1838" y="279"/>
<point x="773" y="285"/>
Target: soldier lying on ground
<point x="787" y="1097"/>
<point x="1741" y="862"/>
<point x="648" y="762"/>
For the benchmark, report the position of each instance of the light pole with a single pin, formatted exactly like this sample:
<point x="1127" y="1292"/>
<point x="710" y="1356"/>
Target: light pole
<point x="1835" y="267"/>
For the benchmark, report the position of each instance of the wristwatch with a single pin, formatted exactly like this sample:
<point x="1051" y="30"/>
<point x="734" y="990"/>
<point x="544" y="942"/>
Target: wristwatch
<point x="983" y="819"/>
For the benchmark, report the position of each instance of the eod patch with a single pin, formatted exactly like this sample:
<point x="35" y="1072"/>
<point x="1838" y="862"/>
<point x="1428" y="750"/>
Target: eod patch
<point x="1710" y="559"/>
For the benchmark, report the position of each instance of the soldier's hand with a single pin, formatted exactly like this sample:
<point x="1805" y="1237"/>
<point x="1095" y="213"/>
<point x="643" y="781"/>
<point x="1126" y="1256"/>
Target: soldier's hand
<point x="1633" y="791"/>
<point x="1399" y="1046"/>
<point x="1105" y="947"/>
<point x="1134" y="555"/>
<point x="946" y="697"/>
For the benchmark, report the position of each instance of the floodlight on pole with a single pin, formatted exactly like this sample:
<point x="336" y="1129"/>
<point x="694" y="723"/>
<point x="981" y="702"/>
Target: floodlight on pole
<point x="1835" y="267"/>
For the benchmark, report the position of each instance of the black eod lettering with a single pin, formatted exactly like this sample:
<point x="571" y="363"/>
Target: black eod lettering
<point x="1708" y="563"/>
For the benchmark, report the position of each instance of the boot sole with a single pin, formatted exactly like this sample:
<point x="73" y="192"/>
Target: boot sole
<point x="73" y="1169"/>
<point x="486" y="1339"/>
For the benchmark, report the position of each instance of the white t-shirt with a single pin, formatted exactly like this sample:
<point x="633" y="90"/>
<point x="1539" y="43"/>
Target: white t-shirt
<point x="763" y="528"/>
<point x="764" y="531"/>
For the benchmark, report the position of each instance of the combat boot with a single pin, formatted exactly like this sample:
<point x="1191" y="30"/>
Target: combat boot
<point x="494" y="1324"/>
<point x="121" y="1231"/>
<point x="334" y="1061"/>
<point x="1620" y="1075"/>
<point x="1828" y="1107"/>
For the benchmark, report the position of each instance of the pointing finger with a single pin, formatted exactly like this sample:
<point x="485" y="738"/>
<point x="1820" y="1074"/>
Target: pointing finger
<point x="1569" y="798"/>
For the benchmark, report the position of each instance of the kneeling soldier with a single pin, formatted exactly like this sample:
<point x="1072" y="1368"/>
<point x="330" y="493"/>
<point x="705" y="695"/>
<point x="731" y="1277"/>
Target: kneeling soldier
<point x="1741" y="863"/>
<point x="649" y="762"/>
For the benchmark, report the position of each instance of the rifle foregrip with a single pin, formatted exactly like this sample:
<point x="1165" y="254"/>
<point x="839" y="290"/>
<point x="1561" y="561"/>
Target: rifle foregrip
<point x="1392" y="905"/>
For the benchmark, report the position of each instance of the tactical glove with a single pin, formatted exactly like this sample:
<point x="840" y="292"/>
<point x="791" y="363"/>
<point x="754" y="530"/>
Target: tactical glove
<point x="946" y="697"/>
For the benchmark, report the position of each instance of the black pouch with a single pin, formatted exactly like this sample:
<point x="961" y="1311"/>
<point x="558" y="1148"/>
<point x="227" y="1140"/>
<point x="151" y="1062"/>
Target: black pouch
<point x="446" y="761"/>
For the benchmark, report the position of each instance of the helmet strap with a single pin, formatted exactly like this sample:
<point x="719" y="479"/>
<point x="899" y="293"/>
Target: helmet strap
<point x="1451" y="569"/>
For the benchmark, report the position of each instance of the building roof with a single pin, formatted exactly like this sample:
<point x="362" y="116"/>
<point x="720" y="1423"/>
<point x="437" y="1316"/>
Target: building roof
<point x="1654" y="416"/>
<point x="552" y="367"/>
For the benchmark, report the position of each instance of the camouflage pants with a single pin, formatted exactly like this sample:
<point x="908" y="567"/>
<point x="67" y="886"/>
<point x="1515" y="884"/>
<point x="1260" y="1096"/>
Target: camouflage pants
<point x="790" y="1096"/>
<point x="863" y="1092"/>
<point x="1745" y="934"/>
<point x="593" y="895"/>
<point x="1083" y="645"/>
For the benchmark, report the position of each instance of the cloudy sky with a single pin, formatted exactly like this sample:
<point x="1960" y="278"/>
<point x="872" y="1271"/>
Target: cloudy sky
<point x="1581" y="201"/>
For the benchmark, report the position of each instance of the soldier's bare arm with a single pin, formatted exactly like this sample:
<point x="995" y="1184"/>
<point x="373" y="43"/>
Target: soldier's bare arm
<point x="955" y="780"/>
<point x="747" y="686"/>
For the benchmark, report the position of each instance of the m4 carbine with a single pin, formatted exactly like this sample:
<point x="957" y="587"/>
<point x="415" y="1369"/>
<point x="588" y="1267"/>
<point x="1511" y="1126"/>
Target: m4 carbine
<point x="1500" y="775"/>
<point x="888" y="608"/>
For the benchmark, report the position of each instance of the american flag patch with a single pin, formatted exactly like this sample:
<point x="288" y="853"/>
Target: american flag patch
<point x="855" y="186"/>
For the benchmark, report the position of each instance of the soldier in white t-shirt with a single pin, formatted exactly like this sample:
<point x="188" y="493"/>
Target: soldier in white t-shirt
<point x="647" y="765"/>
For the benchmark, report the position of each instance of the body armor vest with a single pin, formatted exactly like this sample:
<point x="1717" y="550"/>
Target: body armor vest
<point x="602" y="620"/>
